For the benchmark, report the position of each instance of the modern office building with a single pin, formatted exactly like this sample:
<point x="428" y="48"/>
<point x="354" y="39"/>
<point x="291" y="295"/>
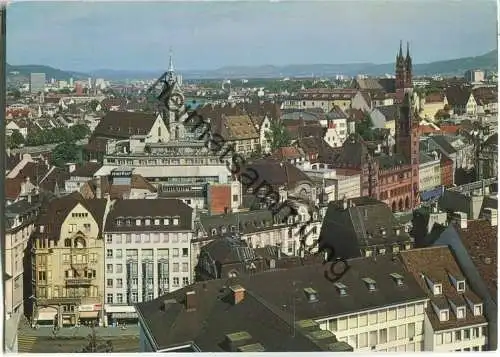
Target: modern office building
<point x="37" y="82"/>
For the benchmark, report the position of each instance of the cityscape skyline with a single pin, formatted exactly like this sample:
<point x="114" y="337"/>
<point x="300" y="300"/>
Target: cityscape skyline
<point x="236" y="34"/>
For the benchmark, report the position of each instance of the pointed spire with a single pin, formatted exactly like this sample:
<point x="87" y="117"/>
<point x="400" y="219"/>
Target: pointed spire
<point x="407" y="49"/>
<point x="400" y="48"/>
<point x="171" y="62"/>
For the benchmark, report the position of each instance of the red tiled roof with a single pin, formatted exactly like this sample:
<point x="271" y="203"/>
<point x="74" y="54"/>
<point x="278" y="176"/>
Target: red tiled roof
<point x="481" y="241"/>
<point x="13" y="187"/>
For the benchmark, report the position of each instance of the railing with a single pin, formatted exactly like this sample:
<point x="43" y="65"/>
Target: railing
<point x="78" y="281"/>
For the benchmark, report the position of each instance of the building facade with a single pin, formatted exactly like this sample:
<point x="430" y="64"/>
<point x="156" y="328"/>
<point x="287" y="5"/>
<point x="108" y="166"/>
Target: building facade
<point x="148" y="253"/>
<point x="68" y="262"/>
<point x="37" y="82"/>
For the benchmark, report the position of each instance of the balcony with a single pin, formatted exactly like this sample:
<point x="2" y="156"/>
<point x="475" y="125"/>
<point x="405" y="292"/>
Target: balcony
<point x="79" y="265"/>
<point x="58" y="301"/>
<point x="78" y="281"/>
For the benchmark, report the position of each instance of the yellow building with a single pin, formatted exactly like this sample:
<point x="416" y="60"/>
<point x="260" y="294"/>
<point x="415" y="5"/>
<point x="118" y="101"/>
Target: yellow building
<point x="431" y="104"/>
<point x="68" y="261"/>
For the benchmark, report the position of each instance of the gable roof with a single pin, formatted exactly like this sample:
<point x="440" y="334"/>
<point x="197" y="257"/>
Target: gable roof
<point x="457" y="95"/>
<point x="390" y="112"/>
<point x="277" y="173"/>
<point x="58" y="209"/>
<point x="122" y="125"/>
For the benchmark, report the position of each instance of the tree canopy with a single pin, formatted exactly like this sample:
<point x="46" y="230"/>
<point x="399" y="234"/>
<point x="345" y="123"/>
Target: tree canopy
<point x="278" y="136"/>
<point x="15" y="140"/>
<point x="58" y="135"/>
<point x="365" y="128"/>
<point x="65" y="153"/>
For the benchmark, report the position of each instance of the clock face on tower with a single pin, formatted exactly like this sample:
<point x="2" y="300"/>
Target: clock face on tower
<point x="175" y="101"/>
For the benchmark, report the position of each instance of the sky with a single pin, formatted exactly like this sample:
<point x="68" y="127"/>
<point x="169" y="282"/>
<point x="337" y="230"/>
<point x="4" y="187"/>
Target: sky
<point x="85" y="36"/>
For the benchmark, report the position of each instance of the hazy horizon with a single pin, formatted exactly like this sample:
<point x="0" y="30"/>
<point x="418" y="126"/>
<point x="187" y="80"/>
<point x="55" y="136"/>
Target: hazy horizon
<point x="125" y="36"/>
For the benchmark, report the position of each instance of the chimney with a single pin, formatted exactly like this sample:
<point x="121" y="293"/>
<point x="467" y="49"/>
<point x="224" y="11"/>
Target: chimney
<point x="238" y="293"/>
<point x="461" y="219"/>
<point x="491" y="215"/>
<point x="190" y="301"/>
<point x="98" y="188"/>
<point x="344" y="202"/>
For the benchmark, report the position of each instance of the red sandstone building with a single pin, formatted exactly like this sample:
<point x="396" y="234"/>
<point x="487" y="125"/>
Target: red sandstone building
<point x="391" y="177"/>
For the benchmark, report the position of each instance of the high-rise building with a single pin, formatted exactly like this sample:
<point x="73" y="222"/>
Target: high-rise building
<point x="37" y="82"/>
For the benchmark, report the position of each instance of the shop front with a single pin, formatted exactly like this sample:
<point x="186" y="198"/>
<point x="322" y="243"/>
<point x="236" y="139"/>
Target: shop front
<point x="120" y="315"/>
<point x="46" y="316"/>
<point x="89" y="315"/>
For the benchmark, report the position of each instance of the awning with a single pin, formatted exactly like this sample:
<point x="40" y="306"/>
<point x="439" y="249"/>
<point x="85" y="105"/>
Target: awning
<point x="46" y="315"/>
<point x="124" y="315"/>
<point x="89" y="314"/>
<point x="123" y="308"/>
<point x="429" y="195"/>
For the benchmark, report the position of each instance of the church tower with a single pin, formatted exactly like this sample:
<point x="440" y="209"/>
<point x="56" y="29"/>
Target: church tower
<point x="407" y="138"/>
<point x="404" y="81"/>
<point x="175" y="100"/>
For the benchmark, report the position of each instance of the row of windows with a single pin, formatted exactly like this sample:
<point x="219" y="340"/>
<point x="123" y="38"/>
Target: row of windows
<point x="148" y="253"/>
<point x="134" y="295"/>
<point x="148" y="221"/>
<point x="460" y="335"/>
<point x="372" y="318"/>
<point x="373" y="338"/>
<point x="127" y="238"/>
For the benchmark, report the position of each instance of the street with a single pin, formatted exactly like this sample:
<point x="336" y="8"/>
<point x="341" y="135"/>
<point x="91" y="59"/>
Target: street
<point x="69" y="340"/>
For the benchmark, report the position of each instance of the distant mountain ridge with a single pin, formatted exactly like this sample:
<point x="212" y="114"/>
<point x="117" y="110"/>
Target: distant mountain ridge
<point x="488" y="62"/>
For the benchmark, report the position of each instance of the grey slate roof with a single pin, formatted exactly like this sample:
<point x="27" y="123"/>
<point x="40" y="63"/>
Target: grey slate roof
<point x="361" y="226"/>
<point x="442" y="142"/>
<point x="265" y="312"/>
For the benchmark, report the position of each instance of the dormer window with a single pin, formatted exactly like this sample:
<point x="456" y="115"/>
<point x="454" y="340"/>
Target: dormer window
<point x="42" y="229"/>
<point x="461" y="312"/>
<point x="398" y="278"/>
<point x="368" y="253"/>
<point x="381" y="251"/>
<point x="176" y="221"/>
<point x="118" y="222"/>
<point x="137" y="222"/>
<point x="342" y="289"/>
<point x="148" y="222"/>
<point x="372" y="284"/>
<point x="444" y="315"/>
<point x="166" y="222"/>
<point x="461" y="286"/>
<point x="437" y="289"/>
<point x="478" y="309"/>
<point x="157" y="222"/>
<point x="312" y="295"/>
<point x="129" y="222"/>
<point x="395" y="249"/>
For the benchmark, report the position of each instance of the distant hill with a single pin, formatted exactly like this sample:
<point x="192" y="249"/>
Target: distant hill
<point x="50" y="72"/>
<point x="452" y="67"/>
<point x="458" y="66"/>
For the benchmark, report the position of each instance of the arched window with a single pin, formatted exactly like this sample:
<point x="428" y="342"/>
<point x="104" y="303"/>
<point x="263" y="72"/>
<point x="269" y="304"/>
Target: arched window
<point x="159" y="131"/>
<point x="80" y="243"/>
<point x="67" y="242"/>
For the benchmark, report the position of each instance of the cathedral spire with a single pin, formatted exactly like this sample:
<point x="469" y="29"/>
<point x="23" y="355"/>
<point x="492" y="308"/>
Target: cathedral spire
<point x="171" y="69"/>
<point x="401" y="49"/>
<point x="407" y="50"/>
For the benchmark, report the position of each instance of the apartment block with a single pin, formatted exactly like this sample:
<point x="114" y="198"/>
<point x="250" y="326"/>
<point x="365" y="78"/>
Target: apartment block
<point x="148" y="253"/>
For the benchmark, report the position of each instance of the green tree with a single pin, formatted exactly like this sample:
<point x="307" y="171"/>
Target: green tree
<point x="93" y="104"/>
<point x="278" y="136"/>
<point x="64" y="153"/>
<point x="15" y="140"/>
<point x="365" y="128"/>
